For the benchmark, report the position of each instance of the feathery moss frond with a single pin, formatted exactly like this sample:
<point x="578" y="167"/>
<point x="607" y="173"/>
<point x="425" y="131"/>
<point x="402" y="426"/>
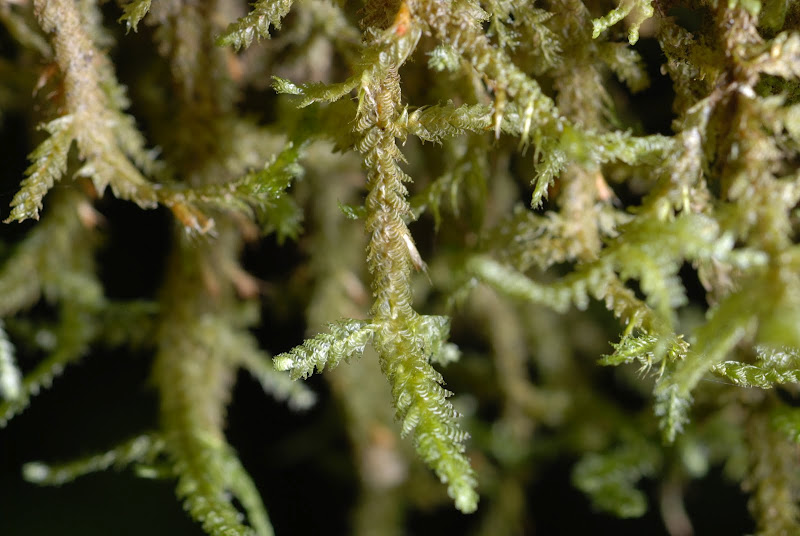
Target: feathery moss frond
<point x="774" y="367"/>
<point x="54" y="260"/>
<point x="424" y="411"/>
<point x="49" y="164"/>
<point x="549" y="161"/>
<point x="455" y="25"/>
<point x="420" y="401"/>
<point x="194" y="384"/>
<point x="198" y="341"/>
<point x="634" y="255"/>
<point x="144" y="448"/>
<point x="93" y="101"/>
<point x="346" y="338"/>
<point x="672" y="406"/>
<point x="647" y="350"/>
<point x="261" y="193"/>
<point x="608" y="147"/>
<point x="435" y="123"/>
<point x="553" y="154"/>
<point x="655" y="265"/>
<point x="315" y="92"/>
<point x="727" y="324"/>
<point x="520" y="99"/>
<point x="256" y="24"/>
<point x="204" y="498"/>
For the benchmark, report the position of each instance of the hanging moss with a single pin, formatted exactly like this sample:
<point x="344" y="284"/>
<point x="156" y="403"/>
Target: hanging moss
<point x="473" y="198"/>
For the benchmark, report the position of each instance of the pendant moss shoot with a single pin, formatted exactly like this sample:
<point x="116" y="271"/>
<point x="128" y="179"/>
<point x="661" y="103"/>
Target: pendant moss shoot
<point x="551" y="234"/>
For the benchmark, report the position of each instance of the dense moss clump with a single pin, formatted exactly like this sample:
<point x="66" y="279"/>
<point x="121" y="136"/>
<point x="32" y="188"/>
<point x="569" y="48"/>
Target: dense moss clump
<point x="475" y="195"/>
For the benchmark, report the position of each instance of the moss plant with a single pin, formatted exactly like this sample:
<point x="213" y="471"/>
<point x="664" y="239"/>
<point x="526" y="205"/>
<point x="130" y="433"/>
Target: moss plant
<point x="475" y="195"/>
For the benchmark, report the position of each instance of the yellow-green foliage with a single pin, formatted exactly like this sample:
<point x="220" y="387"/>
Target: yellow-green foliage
<point x="495" y="156"/>
<point x="264" y="13"/>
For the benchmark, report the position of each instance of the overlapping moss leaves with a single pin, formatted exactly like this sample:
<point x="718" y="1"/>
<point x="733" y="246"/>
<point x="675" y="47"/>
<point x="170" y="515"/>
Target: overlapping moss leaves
<point x="508" y="126"/>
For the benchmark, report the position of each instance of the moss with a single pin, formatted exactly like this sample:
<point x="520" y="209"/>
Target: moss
<point x="482" y="147"/>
